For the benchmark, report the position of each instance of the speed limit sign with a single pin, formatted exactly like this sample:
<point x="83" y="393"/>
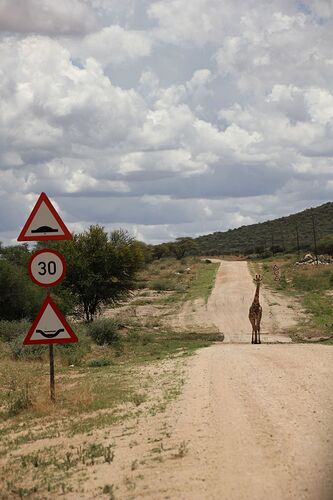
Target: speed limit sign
<point x="47" y="267"/>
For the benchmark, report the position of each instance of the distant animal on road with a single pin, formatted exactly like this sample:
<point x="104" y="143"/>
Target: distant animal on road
<point x="255" y="312"/>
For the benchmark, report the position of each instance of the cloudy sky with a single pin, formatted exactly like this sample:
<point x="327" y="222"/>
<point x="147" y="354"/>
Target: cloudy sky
<point x="165" y="117"/>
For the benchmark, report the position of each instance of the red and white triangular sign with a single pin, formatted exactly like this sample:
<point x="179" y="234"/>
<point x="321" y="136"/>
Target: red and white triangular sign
<point x="44" y="223"/>
<point x="50" y="327"/>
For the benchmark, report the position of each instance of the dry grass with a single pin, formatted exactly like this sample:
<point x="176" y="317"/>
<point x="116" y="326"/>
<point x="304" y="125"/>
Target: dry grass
<point x="96" y="387"/>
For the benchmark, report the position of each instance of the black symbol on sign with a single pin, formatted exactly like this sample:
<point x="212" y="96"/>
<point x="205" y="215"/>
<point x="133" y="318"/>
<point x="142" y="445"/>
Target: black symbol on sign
<point x="51" y="268"/>
<point x="45" y="229"/>
<point x="50" y="334"/>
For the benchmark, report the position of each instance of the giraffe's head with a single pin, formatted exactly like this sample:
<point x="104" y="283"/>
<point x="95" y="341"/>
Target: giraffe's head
<point x="258" y="279"/>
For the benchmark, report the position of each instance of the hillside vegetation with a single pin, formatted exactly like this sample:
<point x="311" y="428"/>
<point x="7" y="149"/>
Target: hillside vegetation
<point x="271" y="236"/>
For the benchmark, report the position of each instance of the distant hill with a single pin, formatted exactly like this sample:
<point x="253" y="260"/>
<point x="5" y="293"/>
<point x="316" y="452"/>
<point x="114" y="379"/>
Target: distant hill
<point x="275" y="235"/>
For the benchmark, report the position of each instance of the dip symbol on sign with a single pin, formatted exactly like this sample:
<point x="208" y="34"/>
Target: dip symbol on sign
<point x="50" y="334"/>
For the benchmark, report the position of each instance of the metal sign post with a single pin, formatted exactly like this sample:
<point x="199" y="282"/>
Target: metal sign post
<point x="47" y="268"/>
<point x="52" y="383"/>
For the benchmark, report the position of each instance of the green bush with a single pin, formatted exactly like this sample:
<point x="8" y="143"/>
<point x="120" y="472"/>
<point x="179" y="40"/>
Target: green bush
<point x="331" y="280"/>
<point x="19" y="298"/>
<point x="104" y="331"/>
<point x="19" y="399"/>
<point x="10" y="330"/>
<point x="139" y="285"/>
<point x="4" y="349"/>
<point x="325" y="245"/>
<point x="97" y="363"/>
<point x="73" y="354"/>
<point x="161" y="285"/>
<point x="20" y="351"/>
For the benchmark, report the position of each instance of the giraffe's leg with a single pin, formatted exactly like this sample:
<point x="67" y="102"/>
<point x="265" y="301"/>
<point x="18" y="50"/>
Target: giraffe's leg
<point x="259" y="322"/>
<point x="252" y="324"/>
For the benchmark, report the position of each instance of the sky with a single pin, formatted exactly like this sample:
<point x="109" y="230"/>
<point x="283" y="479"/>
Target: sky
<point x="167" y="118"/>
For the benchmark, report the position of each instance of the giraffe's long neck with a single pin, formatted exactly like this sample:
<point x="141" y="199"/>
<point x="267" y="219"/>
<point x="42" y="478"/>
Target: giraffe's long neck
<point x="256" y="295"/>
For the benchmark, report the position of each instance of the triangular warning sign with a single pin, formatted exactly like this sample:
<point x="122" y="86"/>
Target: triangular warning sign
<point x="50" y="327"/>
<point x="44" y="223"/>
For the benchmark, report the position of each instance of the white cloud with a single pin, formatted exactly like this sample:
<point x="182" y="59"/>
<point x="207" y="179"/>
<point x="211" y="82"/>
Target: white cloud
<point x="52" y="104"/>
<point x="320" y="105"/>
<point x="46" y="16"/>
<point x="198" y="21"/>
<point x="112" y="45"/>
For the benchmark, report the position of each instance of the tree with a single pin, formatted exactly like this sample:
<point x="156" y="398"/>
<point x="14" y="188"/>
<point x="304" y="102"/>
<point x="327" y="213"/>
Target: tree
<point x="163" y="250"/>
<point x="325" y="244"/>
<point x="147" y="251"/>
<point x="185" y="246"/>
<point x="19" y="298"/>
<point x="100" y="269"/>
<point x="16" y="254"/>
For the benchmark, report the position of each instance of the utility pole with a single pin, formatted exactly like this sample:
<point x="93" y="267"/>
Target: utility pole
<point x="283" y="240"/>
<point x="297" y="239"/>
<point x="314" y="234"/>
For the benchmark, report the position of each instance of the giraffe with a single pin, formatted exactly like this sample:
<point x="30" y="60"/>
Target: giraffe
<point x="255" y="313"/>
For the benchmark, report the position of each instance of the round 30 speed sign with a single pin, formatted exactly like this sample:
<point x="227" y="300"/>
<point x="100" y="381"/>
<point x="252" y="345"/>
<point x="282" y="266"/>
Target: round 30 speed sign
<point x="47" y="267"/>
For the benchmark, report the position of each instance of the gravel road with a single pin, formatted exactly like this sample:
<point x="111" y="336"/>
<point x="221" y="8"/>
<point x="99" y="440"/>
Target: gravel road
<point x="258" y="422"/>
<point x="257" y="419"/>
<point x="229" y="302"/>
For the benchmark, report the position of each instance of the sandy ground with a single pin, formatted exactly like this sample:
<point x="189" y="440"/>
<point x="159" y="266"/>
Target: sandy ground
<point x="253" y="422"/>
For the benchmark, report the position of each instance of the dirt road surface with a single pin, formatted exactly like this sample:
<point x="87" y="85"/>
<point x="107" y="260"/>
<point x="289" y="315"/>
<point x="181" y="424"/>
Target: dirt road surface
<point x="253" y="422"/>
<point x="228" y="306"/>
<point x="256" y="421"/>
